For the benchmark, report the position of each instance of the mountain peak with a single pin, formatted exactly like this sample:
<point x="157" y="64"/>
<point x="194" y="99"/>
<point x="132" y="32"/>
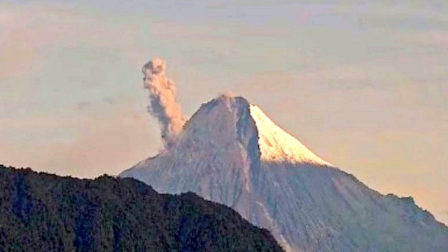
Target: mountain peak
<point x="231" y="152"/>
<point x="228" y="117"/>
<point x="230" y="102"/>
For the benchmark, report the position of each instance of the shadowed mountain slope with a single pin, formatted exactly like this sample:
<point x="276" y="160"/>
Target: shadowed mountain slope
<point x="43" y="212"/>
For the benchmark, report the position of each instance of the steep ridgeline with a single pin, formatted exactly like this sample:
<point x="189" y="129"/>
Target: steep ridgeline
<point x="42" y="212"/>
<point x="231" y="152"/>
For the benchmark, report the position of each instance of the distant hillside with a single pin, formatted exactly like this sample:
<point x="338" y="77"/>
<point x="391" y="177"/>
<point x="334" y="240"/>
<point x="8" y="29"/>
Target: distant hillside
<point x="43" y="212"/>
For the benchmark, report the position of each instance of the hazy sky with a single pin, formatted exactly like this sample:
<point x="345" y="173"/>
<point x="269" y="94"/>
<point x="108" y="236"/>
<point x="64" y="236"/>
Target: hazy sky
<point x="363" y="84"/>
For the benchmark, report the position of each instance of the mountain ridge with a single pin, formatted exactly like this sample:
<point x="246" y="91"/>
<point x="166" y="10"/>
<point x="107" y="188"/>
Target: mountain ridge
<point x="45" y="212"/>
<point x="308" y="204"/>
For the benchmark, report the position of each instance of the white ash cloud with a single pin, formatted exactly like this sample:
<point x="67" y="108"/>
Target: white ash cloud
<point x="162" y="98"/>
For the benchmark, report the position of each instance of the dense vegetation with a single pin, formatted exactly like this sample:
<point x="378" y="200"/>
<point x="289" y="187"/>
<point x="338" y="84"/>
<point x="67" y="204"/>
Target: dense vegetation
<point x="43" y="212"/>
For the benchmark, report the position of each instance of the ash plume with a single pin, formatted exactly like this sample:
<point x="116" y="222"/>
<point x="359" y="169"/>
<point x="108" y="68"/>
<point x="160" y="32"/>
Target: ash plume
<point x="162" y="100"/>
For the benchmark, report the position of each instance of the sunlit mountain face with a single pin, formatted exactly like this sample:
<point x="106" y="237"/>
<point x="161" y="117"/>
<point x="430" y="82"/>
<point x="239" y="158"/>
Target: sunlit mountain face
<point x="231" y="152"/>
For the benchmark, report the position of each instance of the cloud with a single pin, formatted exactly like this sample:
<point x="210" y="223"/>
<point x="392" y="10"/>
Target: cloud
<point x="163" y="103"/>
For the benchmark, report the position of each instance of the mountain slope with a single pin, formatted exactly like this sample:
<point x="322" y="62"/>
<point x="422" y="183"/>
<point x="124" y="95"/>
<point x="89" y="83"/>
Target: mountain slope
<point x="42" y="212"/>
<point x="230" y="152"/>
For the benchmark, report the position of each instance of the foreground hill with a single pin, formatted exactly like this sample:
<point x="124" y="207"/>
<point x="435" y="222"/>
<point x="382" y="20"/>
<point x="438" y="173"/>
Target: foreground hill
<point x="42" y="212"/>
<point x="232" y="153"/>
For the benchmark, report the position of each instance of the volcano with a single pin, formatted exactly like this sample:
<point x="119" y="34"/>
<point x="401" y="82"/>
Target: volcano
<point x="232" y="153"/>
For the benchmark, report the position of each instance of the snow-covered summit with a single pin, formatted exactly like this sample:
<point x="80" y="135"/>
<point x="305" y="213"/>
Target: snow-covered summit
<point x="228" y="116"/>
<point x="230" y="152"/>
<point x="276" y="145"/>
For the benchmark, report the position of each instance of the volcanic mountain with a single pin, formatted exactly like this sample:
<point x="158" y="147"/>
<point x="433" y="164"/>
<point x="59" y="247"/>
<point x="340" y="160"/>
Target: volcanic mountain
<point x="232" y="153"/>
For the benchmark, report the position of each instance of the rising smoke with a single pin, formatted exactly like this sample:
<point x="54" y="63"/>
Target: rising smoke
<point x="162" y="101"/>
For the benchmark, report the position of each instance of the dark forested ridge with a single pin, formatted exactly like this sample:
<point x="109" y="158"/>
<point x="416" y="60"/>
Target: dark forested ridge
<point x="43" y="212"/>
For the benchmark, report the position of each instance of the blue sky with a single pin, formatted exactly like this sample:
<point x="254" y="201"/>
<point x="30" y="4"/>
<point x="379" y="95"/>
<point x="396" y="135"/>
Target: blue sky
<point x="363" y="84"/>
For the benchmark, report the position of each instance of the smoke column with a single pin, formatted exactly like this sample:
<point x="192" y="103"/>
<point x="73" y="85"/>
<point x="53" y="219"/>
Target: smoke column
<point x="162" y="101"/>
